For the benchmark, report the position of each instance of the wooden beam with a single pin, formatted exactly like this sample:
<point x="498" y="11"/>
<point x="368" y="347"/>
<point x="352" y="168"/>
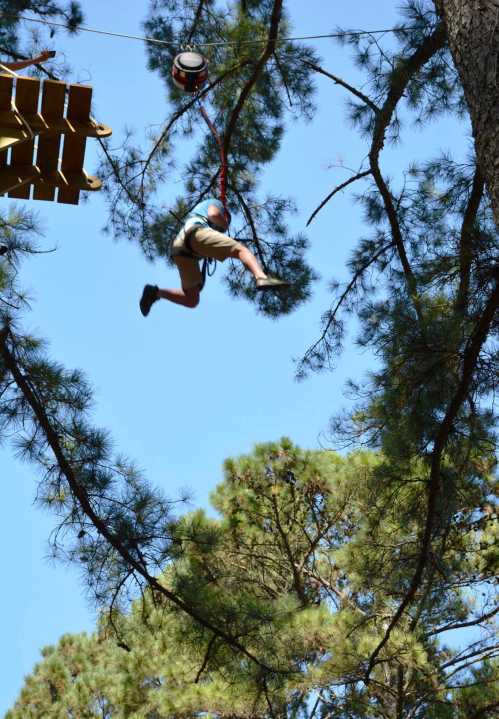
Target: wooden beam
<point x="27" y="94"/>
<point x="47" y="157"/>
<point x="80" y="99"/>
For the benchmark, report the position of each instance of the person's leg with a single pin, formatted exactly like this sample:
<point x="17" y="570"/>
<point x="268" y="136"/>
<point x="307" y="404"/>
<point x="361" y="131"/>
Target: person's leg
<point x="249" y="261"/>
<point x="263" y="281"/>
<point x="191" y="280"/>
<point x="152" y="293"/>
<point x="187" y="298"/>
<point x="207" y="242"/>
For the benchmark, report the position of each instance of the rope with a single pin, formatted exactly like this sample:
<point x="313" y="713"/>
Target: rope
<point x="223" y="157"/>
<point x="175" y="43"/>
<point x="209" y="264"/>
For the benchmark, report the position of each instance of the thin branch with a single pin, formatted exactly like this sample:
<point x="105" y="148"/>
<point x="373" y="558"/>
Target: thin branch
<point x="462" y="625"/>
<point x="283" y="78"/>
<point x="251" y="223"/>
<point x="337" y="189"/>
<point x="259" y="65"/>
<point x="297" y="580"/>
<point x="206" y="658"/>
<point x="345" y="294"/>
<point x="400" y="79"/>
<point x="195" y="22"/>
<point x="360" y="95"/>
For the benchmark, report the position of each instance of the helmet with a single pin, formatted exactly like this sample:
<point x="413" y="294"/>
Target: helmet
<point x="189" y="71"/>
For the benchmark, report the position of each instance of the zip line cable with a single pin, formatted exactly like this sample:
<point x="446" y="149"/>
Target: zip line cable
<point x="154" y="41"/>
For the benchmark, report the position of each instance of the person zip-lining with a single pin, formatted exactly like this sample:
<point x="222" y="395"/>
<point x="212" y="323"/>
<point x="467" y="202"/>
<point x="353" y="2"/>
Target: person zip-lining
<point x="21" y="64"/>
<point x="203" y="236"/>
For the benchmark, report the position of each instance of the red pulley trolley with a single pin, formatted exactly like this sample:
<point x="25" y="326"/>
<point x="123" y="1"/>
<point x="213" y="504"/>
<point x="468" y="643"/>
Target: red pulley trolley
<point x="189" y="71"/>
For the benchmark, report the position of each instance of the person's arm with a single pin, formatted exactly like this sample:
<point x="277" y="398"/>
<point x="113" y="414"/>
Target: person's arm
<point x="21" y="64"/>
<point x="217" y="218"/>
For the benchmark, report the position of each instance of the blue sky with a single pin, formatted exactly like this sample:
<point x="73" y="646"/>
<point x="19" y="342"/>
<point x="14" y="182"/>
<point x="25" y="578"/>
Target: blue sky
<point x="181" y="390"/>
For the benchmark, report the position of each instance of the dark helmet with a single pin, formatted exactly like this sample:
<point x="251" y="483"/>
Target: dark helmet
<point x="189" y="71"/>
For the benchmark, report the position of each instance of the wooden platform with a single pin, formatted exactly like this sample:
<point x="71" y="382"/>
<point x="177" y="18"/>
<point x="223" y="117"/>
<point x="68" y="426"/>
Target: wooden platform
<point x="43" y="133"/>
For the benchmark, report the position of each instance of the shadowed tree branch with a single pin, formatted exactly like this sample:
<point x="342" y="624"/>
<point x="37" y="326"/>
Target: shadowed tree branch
<point x="81" y="495"/>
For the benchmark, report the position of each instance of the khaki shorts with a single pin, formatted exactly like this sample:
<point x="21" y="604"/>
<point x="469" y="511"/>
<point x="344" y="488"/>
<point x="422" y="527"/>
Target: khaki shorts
<point x="204" y="242"/>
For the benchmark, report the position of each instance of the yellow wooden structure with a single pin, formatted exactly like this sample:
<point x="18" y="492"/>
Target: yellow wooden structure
<point x="44" y="127"/>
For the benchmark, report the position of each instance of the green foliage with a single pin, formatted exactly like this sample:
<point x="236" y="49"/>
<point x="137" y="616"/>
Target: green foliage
<point x="305" y="559"/>
<point x="136" y="516"/>
<point x="69" y="12"/>
<point x="335" y="579"/>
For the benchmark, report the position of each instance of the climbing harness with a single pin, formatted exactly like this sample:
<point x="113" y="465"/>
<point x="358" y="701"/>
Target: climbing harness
<point x="209" y="264"/>
<point x="37" y="119"/>
<point x="190" y="70"/>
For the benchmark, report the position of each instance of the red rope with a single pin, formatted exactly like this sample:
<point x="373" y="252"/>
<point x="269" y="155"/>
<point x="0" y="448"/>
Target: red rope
<point x="223" y="157"/>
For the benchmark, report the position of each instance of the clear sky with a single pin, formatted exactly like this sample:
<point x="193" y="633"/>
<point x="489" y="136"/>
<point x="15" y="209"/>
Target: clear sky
<point x="149" y="373"/>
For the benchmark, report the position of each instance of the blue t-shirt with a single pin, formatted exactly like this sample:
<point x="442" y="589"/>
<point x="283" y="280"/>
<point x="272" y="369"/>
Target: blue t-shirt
<point x="200" y="211"/>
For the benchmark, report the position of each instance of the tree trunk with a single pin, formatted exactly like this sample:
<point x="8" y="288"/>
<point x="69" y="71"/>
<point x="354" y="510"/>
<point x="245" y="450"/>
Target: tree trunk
<point x="473" y="36"/>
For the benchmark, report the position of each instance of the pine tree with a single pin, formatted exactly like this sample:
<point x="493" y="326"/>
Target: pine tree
<point x="471" y="29"/>
<point x="424" y="286"/>
<point x="305" y="560"/>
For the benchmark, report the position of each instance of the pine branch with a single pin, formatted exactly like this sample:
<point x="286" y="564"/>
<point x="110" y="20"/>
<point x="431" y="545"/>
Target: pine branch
<point x="206" y="659"/>
<point x="283" y="78"/>
<point x="337" y="189"/>
<point x="399" y="81"/>
<point x="462" y="625"/>
<point x="251" y="223"/>
<point x="338" y="80"/>
<point x="471" y="354"/>
<point x="195" y="22"/>
<point x="81" y="495"/>
<point x="332" y="316"/>
<point x="297" y="580"/>
<point x="259" y="66"/>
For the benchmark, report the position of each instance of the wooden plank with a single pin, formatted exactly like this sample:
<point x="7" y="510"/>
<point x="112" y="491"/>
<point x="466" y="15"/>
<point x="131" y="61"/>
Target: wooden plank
<point x="47" y="157"/>
<point x="17" y="178"/>
<point x="26" y="99"/>
<point x="6" y="84"/>
<point x="56" y="126"/>
<point x="76" y="181"/>
<point x="80" y="99"/>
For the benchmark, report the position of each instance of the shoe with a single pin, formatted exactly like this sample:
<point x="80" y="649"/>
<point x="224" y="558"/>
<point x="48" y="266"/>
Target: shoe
<point x="149" y="297"/>
<point x="3" y="249"/>
<point x="270" y="283"/>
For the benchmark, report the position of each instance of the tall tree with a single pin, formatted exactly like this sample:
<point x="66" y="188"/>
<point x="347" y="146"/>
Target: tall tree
<point x="473" y="37"/>
<point x="424" y="286"/>
<point x="302" y="562"/>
